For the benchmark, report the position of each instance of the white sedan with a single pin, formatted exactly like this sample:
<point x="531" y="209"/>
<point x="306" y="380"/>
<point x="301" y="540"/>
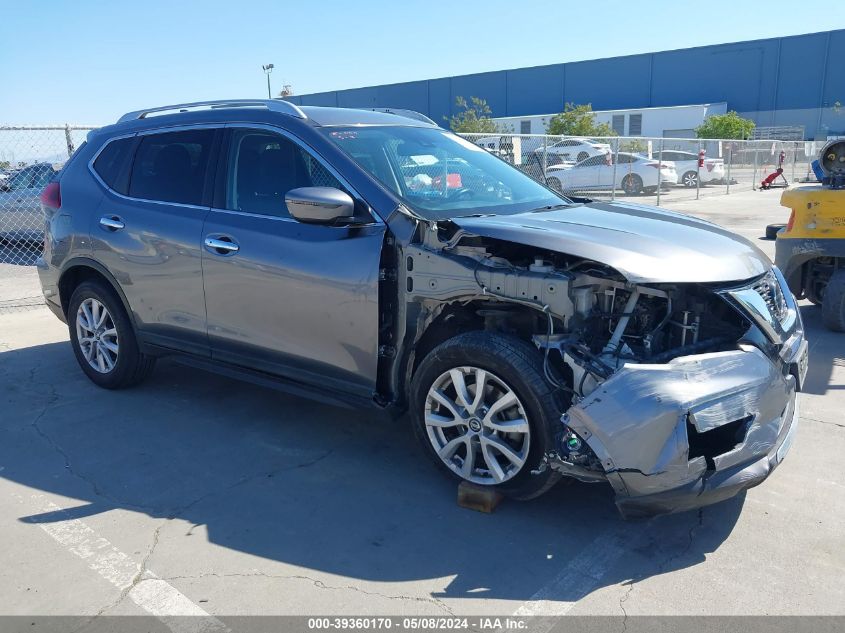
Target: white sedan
<point x="568" y="150"/>
<point x="633" y="174"/>
<point x="686" y="164"/>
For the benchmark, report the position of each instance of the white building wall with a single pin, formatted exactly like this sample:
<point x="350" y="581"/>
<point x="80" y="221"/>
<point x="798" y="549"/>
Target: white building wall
<point x="674" y="121"/>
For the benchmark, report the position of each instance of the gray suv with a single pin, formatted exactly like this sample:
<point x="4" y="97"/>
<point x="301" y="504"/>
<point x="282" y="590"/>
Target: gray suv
<point x="372" y="257"/>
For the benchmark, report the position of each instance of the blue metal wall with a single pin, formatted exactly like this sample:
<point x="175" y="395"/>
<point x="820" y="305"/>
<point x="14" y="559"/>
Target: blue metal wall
<point x="783" y="81"/>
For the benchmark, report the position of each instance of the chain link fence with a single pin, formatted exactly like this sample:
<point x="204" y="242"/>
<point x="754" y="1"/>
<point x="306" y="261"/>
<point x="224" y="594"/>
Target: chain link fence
<point x="30" y="156"/>
<point x="647" y="170"/>
<point x="652" y="170"/>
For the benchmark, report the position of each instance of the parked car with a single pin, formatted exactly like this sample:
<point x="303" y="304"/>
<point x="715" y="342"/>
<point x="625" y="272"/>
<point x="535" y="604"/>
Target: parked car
<point x="20" y="211"/>
<point x="575" y="149"/>
<point x="633" y="174"/>
<point x="529" y="336"/>
<point x="686" y="164"/>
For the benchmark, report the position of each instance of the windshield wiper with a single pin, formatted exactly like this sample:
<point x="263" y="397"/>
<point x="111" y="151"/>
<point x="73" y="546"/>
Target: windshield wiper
<point x="550" y="207"/>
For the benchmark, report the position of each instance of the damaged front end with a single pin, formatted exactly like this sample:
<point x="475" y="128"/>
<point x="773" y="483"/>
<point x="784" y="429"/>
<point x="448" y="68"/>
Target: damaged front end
<point x="676" y="394"/>
<point x="696" y="423"/>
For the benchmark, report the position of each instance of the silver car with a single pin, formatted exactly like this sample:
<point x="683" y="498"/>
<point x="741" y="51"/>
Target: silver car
<point x="20" y="210"/>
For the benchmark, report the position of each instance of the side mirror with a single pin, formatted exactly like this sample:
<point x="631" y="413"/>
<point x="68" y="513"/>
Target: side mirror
<point x="319" y="205"/>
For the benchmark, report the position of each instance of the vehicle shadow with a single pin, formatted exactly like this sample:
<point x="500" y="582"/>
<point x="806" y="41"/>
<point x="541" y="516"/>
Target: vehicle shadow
<point x="288" y="480"/>
<point x="827" y="351"/>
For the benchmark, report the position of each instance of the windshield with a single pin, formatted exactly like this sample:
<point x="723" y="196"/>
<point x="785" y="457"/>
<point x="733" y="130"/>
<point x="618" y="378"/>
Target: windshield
<point x="440" y="175"/>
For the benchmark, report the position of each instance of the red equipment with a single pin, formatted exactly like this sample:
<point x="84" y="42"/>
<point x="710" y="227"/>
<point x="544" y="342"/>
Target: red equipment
<point x="701" y="158"/>
<point x="767" y="182"/>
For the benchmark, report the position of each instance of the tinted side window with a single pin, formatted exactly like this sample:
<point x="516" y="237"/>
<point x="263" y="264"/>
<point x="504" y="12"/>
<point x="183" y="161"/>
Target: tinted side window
<point x="263" y="167"/>
<point x="112" y="163"/>
<point x="594" y="161"/>
<point x="172" y="166"/>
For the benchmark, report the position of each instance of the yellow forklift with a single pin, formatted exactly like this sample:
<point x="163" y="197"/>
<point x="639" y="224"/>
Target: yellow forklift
<point x="810" y="250"/>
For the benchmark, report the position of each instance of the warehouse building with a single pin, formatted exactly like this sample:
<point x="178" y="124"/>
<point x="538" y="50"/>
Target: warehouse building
<point x="669" y="121"/>
<point x="786" y="81"/>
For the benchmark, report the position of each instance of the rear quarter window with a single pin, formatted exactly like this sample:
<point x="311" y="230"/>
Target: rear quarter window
<point x="112" y="165"/>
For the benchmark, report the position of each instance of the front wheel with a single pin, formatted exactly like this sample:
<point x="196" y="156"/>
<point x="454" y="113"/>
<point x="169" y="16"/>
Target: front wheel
<point x="484" y="413"/>
<point x="554" y="183"/>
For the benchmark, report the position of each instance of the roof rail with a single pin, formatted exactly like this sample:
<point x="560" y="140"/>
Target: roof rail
<point x="275" y="105"/>
<point x="408" y="114"/>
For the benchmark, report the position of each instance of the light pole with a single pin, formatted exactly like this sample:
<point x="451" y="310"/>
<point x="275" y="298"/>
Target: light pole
<point x="268" y="68"/>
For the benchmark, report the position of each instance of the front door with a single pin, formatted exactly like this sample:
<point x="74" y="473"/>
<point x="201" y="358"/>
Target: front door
<point x="585" y="175"/>
<point x="298" y="300"/>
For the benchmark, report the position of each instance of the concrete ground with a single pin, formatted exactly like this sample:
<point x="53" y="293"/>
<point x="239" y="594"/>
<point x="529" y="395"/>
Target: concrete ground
<point x="197" y="494"/>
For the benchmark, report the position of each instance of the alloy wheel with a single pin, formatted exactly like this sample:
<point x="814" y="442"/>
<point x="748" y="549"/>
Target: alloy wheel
<point x="477" y="425"/>
<point x="97" y="335"/>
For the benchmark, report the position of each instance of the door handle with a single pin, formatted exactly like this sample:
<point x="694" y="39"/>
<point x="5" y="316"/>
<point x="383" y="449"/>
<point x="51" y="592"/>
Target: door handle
<point x="221" y="244"/>
<point x="111" y="223"/>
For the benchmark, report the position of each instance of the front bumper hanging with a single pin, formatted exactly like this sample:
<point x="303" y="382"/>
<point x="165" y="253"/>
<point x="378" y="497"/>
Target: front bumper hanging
<point x="694" y="431"/>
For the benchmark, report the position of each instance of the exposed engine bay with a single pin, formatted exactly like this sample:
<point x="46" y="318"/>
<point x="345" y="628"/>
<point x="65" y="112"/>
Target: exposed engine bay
<point x="665" y="387"/>
<point x="586" y="317"/>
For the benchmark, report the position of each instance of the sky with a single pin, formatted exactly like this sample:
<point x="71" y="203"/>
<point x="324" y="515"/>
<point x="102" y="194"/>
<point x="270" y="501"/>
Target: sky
<point x="88" y="62"/>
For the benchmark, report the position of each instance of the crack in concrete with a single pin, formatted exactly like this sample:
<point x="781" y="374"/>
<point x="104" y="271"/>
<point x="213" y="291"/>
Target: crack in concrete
<point x="317" y="583"/>
<point x="622" y="601"/>
<point x="662" y="567"/>
<point x="53" y="397"/>
<point x="693" y="529"/>
<point x="143" y="568"/>
<point x="804" y="417"/>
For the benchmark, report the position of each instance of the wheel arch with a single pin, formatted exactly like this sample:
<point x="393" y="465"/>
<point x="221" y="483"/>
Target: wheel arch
<point x="81" y="269"/>
<point x="458" y="317"/>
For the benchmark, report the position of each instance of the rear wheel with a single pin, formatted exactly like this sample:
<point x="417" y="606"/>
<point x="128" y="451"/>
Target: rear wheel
<point x="554" y="183"/>
<point x="632" y="184"/>
<point x="833" y="302"/>
<point x="483" y="412"/>
<point x="103" y="338"/>
<point x="690" y="179"/>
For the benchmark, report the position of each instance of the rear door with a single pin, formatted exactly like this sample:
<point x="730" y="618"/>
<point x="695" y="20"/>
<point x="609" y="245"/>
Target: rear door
<point x="147" y="231"/>
<point x="298" y="300"/>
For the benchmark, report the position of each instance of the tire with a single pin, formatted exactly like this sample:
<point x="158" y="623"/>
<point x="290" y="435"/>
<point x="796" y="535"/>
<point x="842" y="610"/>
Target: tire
<point x="508" y="363"/>
<point x="632" y="184"/>
<point x="124" y="367"/>
<point x="582" y="156"/>
<point x="772" y="230"/>
<point x="833" y="302"/>
<point x="689" y="179"/>
<point x="554" y="183"/>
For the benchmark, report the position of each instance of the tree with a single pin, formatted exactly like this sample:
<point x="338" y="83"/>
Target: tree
<point x="578" y="120"/>
<point x="474" y="118"/>
<point x="729" y="125"/>
<point x="634" y="145"/>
